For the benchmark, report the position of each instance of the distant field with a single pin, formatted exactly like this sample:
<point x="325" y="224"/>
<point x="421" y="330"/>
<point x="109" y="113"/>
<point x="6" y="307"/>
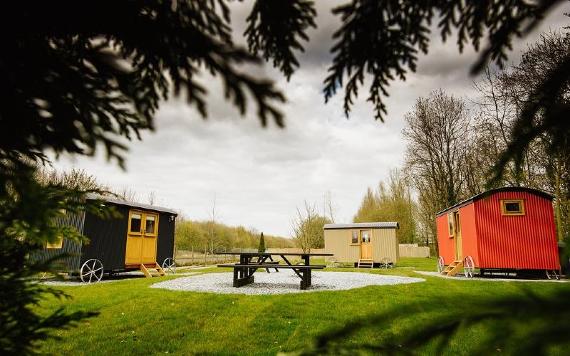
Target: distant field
<point x="136" y="319"/>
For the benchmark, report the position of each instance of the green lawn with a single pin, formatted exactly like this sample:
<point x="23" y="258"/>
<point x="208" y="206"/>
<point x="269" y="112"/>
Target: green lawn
<point x="136" y="319"/>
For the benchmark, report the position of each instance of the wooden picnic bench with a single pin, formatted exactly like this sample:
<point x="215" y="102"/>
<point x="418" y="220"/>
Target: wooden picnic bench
<point x="244" y="270"/>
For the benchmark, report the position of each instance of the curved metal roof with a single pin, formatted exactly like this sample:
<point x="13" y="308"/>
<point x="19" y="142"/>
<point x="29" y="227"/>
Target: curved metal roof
<point x="129" y="203"/>
<point x="373" y="225"/>
<point x="485" y="194"/>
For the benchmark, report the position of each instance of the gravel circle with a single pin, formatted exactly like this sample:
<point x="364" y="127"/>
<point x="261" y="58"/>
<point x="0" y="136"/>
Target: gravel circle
<point x="282" y="282"/>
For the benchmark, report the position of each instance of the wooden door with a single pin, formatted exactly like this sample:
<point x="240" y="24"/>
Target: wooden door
<point x="150" y="234"/>
<point x="457" y="237"/>
<point x="134" y="238"/>
<point x="365" y="245"/>
<point x="142" y="238"/>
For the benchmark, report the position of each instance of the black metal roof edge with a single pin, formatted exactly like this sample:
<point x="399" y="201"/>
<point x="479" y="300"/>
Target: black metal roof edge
<point x="479" y="196"/>
<point x="131" y="204"/>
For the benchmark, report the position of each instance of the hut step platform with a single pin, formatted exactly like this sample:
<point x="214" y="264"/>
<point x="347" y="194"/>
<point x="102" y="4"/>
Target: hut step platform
<point x="145" y="269"/>
<point x="365" y="262"/>
<point x="453" y="268"/>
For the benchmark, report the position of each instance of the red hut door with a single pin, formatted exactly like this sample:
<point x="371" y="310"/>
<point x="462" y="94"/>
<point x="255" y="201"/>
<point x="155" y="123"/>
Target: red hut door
<point x="457" y="237"/>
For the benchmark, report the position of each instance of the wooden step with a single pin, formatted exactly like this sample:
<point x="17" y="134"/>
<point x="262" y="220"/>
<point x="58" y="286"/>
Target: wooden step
<point x="458" y="265"/>
<point x="453" y="268"/>
<point x="366" y="262"/>
<point x="146" y="270"/>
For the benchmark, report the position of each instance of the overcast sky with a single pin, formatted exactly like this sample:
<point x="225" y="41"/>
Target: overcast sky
<point x="257" y="176"/>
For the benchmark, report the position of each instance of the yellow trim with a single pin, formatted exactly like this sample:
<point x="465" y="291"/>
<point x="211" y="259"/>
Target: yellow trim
<point x="154" y="233"/>
<point x="510" y="201"/>
<point x="131" y="213"/>
<point x="56" y="245"/>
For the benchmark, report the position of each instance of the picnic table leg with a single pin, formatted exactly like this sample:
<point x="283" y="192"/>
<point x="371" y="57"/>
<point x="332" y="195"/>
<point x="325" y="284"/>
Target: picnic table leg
<point x="236" y="276"/>
<point x="304" y="279"/>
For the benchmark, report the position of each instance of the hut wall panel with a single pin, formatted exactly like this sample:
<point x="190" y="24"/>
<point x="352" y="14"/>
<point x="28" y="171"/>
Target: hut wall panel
<point x="518" y="242"/>
<point x="108" y="239"/>
<point x="165" y="243"/>
<point x="72" y="262"/>
<point x="338" y="242"/>
<point x="445" y="244"/>
<point x="385" y="245"/>
<point x="469" y="232"/>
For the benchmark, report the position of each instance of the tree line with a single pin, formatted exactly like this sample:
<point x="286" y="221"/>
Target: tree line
<point x="210" y="237"/>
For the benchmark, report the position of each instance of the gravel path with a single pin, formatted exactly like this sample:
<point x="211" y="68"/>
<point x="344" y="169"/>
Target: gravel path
<point x="282" y="282"/>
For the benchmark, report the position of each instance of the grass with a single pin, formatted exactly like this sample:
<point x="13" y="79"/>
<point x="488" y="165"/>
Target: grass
<point x="136" y="319"/>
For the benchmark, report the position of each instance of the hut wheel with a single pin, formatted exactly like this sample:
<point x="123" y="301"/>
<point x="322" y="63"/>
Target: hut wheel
<point x="440" y="264"/>
<point x="553" y="274"/>
<point x="468" y="266"/>
<point x="91" y="271"/>
<point x="169" y="265"/>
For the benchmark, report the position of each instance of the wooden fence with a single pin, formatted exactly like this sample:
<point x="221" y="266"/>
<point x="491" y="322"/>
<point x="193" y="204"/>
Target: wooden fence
<point x="413" y="250"/>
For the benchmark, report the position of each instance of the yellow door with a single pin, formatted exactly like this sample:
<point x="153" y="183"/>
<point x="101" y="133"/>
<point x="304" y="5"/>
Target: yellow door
<point x="134" y="239"/>
<point x="141" y="238"/>
<point x="365" y="245"/>
<point x="457" y="235"/>
<point x="150" y="233"/>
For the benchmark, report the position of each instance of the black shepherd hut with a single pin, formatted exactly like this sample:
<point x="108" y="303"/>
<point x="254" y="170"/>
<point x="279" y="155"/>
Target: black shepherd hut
<point x="142" y="238"/>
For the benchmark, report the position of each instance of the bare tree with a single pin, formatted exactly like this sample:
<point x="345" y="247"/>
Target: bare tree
<point x="328" y="206"/>
<point x="308" y="228"/>
<point x="151" y="198"/>
<point x="438" y="131"/>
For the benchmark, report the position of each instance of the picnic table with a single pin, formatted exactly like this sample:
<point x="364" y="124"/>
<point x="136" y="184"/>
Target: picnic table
<point x="250" y="262"/>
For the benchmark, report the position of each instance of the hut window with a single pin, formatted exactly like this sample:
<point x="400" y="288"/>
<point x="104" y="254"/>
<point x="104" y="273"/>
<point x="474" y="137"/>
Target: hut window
<point x="135" y="223"/>
<point x="354" y="237"/>
<point x="56" y="244"/>
<point x="512" y="207"/>
<point x="365" y="236"/>
<point x="150" y="225"/>
<point x="451" y="224"/>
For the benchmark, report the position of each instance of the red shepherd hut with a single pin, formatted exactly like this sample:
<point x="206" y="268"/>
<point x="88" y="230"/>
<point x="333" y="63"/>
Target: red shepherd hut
<point x="509" y="229"/>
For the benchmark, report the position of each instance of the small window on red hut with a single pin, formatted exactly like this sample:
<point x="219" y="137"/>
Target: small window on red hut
<point x="512" y="207"/>
<point x="451" y="224"/>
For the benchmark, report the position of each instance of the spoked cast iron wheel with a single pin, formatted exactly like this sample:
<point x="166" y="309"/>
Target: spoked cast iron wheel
<point x="169" y="265"/>
<point x="91" y="271"/>
<point x="440" y="264"/>
<point x="468" y="266"/>
<point x="552" y="274"/>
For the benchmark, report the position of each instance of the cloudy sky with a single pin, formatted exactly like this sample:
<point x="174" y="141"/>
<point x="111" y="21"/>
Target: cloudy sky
<point x="258" y="177"/>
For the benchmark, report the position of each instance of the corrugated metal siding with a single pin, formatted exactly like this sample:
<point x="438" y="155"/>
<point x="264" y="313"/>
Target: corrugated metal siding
<point x="384" y="244"/>
<point x="469" y="232"/>
<point x="107" y="239"/>
<point x="338" y="242"/>
<point x="73" y="248"/>
<point x="518" y="242"/>
<point x="445" y="244"/>
<point x="165" y="243"/>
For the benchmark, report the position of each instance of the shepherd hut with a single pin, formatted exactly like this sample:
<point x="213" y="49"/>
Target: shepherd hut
<point x="141" y="238"/>
<point x="508" y="229"/>
<point x="364" y="244"/>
